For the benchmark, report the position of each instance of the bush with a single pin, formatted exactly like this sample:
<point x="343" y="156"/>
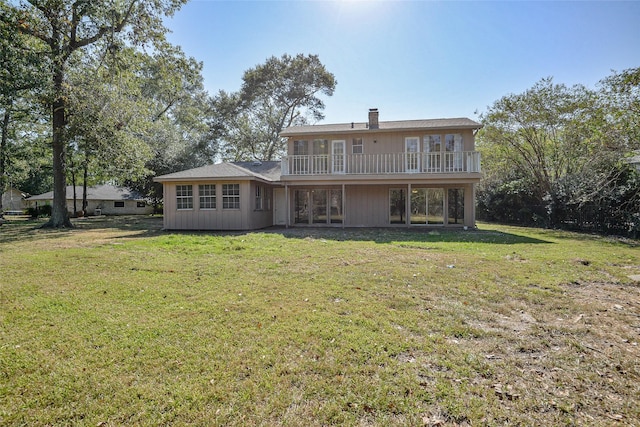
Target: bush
<point x="44" y="210"/>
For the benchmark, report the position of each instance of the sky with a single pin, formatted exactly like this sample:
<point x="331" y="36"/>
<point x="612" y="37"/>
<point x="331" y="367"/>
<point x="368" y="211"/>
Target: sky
<point x="414" y="59"/>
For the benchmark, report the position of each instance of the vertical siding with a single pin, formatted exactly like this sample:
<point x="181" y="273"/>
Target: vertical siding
<point x="367" y="206"/>
<point x="245" y="218"/>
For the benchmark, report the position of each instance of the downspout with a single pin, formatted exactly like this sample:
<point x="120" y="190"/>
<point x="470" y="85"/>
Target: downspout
<point x="344" y="213"/>
<point x="286" y="202"/>
<point x="407" y="206"/>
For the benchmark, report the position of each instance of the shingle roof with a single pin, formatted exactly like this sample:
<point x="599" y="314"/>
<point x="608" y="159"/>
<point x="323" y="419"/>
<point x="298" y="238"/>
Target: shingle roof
<point x="266" y="171"/>
<point x="425" y="124"/>
<point x="98" y="192"/>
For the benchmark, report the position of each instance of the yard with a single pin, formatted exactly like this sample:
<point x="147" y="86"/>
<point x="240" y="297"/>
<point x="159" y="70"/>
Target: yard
<point x="119" y="323"/>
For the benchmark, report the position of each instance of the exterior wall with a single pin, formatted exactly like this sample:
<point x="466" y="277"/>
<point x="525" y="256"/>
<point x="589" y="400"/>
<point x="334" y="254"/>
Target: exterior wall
<point x="107" y="207"/>
<point x="12" y="200"/>
<point x="245" y="218"/>
<point x="368" y="205"/>
<point x="375" y="142"/>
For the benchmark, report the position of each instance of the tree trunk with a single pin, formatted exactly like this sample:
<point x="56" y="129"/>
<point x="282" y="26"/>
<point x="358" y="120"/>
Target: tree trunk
<point x="85" y="204"/>
<point x="3" y="150"/>
<point x="59" y="214"/>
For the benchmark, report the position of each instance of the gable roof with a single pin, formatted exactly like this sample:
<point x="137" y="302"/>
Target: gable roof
<point x="389" y="126"/>
<point x="268" y="171"/>
<point x="97" y="192"/>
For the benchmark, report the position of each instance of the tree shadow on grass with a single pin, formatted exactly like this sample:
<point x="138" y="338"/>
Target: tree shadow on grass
<point x="384" y="235"/>
<point x="30" y="229"/>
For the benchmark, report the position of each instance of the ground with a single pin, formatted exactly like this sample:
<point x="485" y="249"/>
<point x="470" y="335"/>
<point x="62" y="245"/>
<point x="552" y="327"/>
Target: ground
<point x="118" y="322"/>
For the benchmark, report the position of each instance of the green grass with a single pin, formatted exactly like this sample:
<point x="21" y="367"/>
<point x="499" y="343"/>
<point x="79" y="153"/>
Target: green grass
<point x="116" y="322"/>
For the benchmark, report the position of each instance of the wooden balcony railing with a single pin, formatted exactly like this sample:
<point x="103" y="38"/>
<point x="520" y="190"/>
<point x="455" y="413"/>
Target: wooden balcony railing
<point x="381" y="164"/>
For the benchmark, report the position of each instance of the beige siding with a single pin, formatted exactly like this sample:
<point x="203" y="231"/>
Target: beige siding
<point x="245" y="218"/>
<point x="386" y="142"/>
<point x="367" y="206"/>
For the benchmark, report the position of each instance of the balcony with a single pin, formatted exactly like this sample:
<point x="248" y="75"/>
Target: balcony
<point x="382" y="164"/>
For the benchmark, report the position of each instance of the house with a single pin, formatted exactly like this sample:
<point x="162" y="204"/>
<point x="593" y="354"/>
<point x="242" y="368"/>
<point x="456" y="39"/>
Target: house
<point x="368" y="174"/>
<point x="13" y="201"/>
<point x="101" y="200"/>
<point x="634" y="160"/>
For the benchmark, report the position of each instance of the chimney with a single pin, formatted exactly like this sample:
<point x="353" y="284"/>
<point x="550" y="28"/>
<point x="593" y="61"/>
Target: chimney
<point x="373" y="118"/>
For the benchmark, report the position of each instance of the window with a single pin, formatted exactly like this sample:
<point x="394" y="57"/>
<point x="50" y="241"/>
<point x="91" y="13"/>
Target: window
<point x="184" y="196"/>
<point x="432" y="157"/>
<point x="455" y="198"/>
<point x="356" y="146"/>
<point x="300" y="160"/>
<point x="141" y="205"/>
<point x="454" y="147"/>
<point x="432" y="143"/>
<point x="207" y="196"/>
<point x="397" y="206"/>
<point x="230" y="196"/>
<point x="259" y="197"/>
<point x="300" y="148"/>
<point x="118" y="204"/>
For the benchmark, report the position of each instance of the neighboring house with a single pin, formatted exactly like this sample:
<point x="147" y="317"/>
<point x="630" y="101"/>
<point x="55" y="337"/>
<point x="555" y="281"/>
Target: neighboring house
<point x="101" y="200"/>
<point x="635" y="160"/>
<point x="374" y="174"/>
<point x="13" y="200"/>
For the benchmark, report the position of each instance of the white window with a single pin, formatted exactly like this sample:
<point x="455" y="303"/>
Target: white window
<point x="207" y="194"/>
<point x="356" y="146"/>
<point x="412" y="154"/>
<point x="259" y="197"/>
<point x="230" y="196"/>
<point x="184" y="196"/>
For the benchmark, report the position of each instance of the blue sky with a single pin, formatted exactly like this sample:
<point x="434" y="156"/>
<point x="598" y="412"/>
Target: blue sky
<point x="414" y="59"/>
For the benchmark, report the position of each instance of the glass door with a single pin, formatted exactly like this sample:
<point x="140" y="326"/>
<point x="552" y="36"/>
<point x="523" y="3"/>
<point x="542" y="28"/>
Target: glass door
<point x="435" y="206"/>
<point x="412" y="154"/>
<point x="455" y="157"/>
<point x="319" y="200"/>
<point x="337" y="156"/>
<point x="419" y="206"/>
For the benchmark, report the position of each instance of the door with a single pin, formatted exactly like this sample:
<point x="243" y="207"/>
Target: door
<point x="435" y="206"/>
<point x="279" y="207"/>
<point x="412" y="154"/>
<point x="337" y="156"/>
<point x="455" y="156"/>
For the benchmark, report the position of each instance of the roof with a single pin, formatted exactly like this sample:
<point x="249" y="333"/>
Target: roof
<point x="266" y="171"/>
<point x="98" y="192"/>
<point x="390" y="126"/>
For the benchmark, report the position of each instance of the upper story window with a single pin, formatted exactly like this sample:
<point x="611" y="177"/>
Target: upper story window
<point x="432" y="143"/>
<point x="184" y="196"/>
<point x="453" y="142"/>
<point x="356" y="146"/>
<point x="300" y="148"/>
<point x="230" y="196"/>
<point x="207" y="194"/>
<point x="320" y="146"/>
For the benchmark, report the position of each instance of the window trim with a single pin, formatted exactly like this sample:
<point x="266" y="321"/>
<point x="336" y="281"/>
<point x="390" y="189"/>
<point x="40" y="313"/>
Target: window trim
<point x="212" y="197"/>
<point x="230" y="200"/>
<point x="184" y="198"/>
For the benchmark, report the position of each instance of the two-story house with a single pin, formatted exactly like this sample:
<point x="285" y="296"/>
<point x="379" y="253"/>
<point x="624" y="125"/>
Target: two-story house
<point x="367" y="174"/>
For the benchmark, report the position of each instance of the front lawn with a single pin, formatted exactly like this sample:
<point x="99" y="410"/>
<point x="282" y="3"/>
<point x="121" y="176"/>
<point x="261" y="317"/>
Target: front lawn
<point x="119" y="323"/>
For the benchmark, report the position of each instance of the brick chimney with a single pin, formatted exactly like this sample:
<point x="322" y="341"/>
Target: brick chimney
<point x="373" y="118"/>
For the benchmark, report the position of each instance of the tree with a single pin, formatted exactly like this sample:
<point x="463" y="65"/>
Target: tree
<point x="65" y="28"/>
<point x="178" y="109"/>
<point x="275" y="95"/>
<point x="20" y="80"/>
<point x="554" y="156"/>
